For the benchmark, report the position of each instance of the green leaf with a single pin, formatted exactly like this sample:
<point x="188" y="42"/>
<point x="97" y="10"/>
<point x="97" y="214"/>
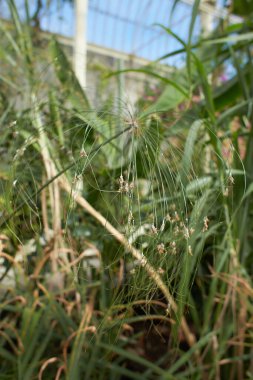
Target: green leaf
<point x="189" y="150"/>
<point x="163" y="78"/>
<point x="186" y="357"/>
<point x="170" y="98"/>
<point x="198" y="184"/>
<point x="80" y="103"/>
<point x="230" y="39"/>
<point x="242" y="7"/>
<point x="68" y="79"/>
<point x="131" y="356"/>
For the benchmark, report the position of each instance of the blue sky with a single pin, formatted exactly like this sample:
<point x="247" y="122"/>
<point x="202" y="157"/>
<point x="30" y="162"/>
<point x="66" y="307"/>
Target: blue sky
<point x="124" y="25"/>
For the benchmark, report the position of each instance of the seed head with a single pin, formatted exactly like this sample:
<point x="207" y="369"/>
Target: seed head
<point x="83" y="153"/>
<point x="124" y="186"/>
<point x="231" y="179"/>
<point x="130" y="217"/>
<point x="192" y="230"/>
<point x="186" y="232"/>
<point x="161" y="249"/>
<point x="173" y="247"/>
<point x="162" y="226"/>
<point x="176" y="216"/>
<point x="168" y="218"/>
<point x="176" y="231"/>
<point x="154" y="230"/>
<point x="206" y="224"/>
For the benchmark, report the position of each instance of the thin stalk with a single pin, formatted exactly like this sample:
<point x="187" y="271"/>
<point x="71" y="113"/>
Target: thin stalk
<point x="61" y="172"/>
<point x="135" y="253"/>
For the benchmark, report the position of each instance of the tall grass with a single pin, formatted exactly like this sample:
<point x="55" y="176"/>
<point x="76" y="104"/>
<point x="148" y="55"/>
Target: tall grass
<point x="126" y="236"/>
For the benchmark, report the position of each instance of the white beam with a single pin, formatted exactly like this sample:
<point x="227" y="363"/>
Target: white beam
<point x="207" y="18"/>
<point x="220" y="13"/>
<point x="80" y="40"/>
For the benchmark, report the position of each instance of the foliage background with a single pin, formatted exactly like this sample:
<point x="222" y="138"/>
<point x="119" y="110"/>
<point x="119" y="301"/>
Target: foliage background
<point x="126" y="237"/>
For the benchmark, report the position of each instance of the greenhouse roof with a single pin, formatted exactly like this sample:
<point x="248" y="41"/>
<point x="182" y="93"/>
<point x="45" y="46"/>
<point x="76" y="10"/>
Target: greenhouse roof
<point x="128" y="26"/>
